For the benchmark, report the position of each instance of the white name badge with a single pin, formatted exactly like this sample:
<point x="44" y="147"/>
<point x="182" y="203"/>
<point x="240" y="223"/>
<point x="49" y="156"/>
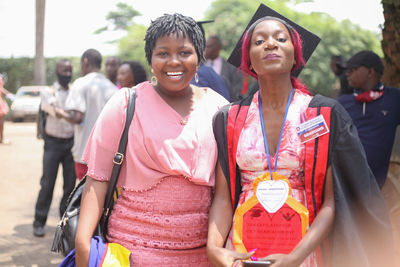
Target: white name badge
<point x="312" y="129"/>
<point x="272" y="194"/>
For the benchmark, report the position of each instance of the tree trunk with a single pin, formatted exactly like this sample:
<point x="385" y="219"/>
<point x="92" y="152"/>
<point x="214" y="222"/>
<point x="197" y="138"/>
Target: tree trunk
<point x="391" y="42"/>
<point x="391" y="77"/>
<point x="40" y="67"/>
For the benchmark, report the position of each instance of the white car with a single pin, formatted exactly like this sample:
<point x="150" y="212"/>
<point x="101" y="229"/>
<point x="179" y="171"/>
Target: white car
<point x="26" y="103"/>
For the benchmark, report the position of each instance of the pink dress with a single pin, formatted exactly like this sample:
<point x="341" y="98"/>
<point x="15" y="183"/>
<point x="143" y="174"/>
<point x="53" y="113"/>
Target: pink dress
<point x="3" y="105"/>
<point x="166" y="179"/>
<point x="252" y="159"/>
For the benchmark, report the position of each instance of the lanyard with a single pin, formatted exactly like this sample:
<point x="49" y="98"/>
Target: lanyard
<point x="280" y="137"/>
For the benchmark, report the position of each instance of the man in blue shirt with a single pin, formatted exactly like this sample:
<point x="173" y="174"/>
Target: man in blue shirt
<point x="374" y="108"/>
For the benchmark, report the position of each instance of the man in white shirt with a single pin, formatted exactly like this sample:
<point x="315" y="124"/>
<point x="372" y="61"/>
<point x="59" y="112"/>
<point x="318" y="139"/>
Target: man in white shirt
<point x="58" y="139"/>
<point x="87" y="98"/>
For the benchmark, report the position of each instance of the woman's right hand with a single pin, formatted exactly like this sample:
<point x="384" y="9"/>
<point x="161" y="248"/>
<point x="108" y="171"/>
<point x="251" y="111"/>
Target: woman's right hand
<point x="222" y="257"/>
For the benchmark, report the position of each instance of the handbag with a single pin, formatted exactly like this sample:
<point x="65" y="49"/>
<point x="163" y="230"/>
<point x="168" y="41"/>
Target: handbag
<point x="64" y="237"/>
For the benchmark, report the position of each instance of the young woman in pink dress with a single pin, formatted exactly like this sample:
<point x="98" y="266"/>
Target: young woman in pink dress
<point x="168" y="174"/>
<point x="3" y="111"/>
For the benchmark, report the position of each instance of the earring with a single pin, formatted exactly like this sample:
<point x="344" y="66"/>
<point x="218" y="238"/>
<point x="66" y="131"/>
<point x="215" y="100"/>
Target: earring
<point x="196" y="77"/>
<point x="154" y="80"/>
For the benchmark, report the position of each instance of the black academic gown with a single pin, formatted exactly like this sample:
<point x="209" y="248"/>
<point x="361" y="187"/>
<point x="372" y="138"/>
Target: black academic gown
<point x="361" y="234"/>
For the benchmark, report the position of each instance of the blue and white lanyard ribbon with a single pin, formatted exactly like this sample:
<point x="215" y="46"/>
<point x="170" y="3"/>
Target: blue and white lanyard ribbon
<point x="280" y="137"/>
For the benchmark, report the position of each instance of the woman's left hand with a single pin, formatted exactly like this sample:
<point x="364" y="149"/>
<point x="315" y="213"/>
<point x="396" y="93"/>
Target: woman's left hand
<point x="281" y="260"/>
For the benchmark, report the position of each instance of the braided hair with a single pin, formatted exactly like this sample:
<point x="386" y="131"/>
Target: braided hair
<point x="174" y="24"/>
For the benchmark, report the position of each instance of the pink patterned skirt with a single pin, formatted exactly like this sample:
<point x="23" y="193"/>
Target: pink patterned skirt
<point x="165" y="225"/>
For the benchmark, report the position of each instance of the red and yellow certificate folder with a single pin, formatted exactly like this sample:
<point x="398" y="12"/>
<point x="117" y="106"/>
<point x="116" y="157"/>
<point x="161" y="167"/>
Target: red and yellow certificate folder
<point x="271" y="220"/>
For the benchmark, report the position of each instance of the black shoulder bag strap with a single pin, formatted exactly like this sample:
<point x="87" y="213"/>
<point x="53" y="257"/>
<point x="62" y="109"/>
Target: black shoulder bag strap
<point x="118" y="160"/>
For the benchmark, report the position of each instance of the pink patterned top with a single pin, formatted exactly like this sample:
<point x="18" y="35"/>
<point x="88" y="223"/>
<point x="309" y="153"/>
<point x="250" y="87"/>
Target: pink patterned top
<point x="3" y="104"/>
<point x="166" y="179"/>
<point x="252" y="159"/>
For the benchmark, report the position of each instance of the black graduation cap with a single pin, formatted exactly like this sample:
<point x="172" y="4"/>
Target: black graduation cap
<point x="310" y="40"/>
<point x="200" y="23"/>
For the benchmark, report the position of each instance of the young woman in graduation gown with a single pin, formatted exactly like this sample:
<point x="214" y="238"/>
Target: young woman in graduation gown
<point x="347" y="221"/>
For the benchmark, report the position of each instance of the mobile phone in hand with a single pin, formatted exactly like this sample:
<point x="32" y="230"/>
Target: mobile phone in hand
<point x="257" y="263"/>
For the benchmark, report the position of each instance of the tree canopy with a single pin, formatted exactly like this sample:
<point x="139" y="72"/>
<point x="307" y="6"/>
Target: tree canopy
<point x="231" y="17"/>
<point x="121" y="19"/>
<point x="337" y="38"/>
<point x="131" y="46"/>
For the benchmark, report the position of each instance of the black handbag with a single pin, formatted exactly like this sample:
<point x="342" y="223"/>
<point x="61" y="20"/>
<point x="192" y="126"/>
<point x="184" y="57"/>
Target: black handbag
<point x="64" y="237"/>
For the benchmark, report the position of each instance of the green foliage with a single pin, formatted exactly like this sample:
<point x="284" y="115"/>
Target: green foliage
<point x="121" y="19"/>
<point x="231" y="17"/>
<point x="396" y="3"/>
<point x="19" y="71"/>
<point x="342" y="38"/>
<point x="337" y="38"/>
<point x="131" y="47"/>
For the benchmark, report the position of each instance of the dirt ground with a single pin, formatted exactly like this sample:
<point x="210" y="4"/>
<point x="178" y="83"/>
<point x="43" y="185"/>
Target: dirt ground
<point x="20" y="172"/>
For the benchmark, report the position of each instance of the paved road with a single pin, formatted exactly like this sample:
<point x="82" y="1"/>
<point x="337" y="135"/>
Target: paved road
<point x="20" y="171"/>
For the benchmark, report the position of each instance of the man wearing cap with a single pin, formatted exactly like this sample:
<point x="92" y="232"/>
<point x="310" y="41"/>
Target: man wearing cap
<point x="374" y="109"/>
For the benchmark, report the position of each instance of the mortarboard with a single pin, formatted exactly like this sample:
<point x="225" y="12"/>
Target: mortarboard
<point x="310" y="40"/>
<point x="200" y="23"/>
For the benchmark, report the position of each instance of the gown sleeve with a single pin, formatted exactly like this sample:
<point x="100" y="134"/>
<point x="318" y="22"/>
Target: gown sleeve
<point x="362" y="233"/>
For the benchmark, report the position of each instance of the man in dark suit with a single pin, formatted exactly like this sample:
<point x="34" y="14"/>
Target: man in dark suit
<point x="232" y="76"/>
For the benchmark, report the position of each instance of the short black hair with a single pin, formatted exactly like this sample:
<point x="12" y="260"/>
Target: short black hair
<point x="217" y="38"/>
<point x="114" y="58"/>
<point x="62" y="60"/>
<point x="339" y="61"/>
<point x="139" y="72"/>
<point x="93" y="56"/>
<point x="174" y="24"/>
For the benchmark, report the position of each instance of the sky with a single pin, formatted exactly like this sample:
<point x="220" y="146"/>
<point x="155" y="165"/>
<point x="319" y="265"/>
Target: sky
<point x="69" y="25"/>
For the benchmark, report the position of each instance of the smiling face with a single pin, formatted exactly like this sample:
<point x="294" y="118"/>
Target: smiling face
<point x="271" y="49"/>
<point x="174" y="62"/>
